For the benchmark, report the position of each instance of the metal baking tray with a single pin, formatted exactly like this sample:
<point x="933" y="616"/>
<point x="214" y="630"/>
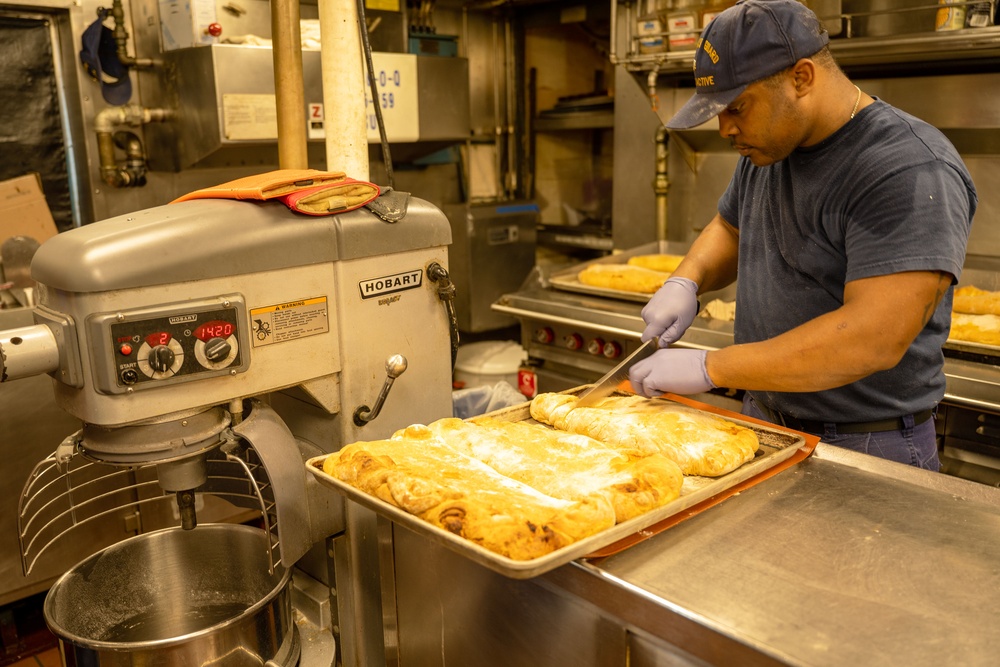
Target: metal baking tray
<point x="567" y="280"/>
<point x="776" y="446"/>
<point x="984" y="273"/>
<point x="975" y="348"/>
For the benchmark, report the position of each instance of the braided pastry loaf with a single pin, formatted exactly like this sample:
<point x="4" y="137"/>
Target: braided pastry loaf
<point x="700" y="443"/>
<point x="520" y="490"/>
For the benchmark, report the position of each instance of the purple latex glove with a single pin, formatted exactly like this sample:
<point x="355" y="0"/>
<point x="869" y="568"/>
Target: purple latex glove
<point x="673" y="370"/>
<point x="670" y="311"/>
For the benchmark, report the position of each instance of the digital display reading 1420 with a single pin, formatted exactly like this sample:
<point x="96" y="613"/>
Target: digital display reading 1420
<point x="214" y="329"/>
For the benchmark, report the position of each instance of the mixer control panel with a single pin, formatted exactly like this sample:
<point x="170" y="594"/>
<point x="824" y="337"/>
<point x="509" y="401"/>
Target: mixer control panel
<point x="168" y="344"/>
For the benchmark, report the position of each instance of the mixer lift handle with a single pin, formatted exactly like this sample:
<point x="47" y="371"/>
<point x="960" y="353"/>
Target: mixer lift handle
<point x="394" y="367"/>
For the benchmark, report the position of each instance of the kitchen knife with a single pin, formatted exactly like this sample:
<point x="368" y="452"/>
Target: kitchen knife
<point x="607" y="384"/>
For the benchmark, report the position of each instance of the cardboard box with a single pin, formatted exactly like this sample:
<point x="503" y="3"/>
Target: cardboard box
<point x="23" y="210"/>
<point x="184" y="23"/>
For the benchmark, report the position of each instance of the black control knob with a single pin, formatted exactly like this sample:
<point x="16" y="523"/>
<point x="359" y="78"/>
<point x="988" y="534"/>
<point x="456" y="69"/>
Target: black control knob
<point x="217" y="349"/>
<point x="161" y="358"/>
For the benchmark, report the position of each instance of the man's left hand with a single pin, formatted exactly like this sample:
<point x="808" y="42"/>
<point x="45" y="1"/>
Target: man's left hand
<point x="678" y="371"/>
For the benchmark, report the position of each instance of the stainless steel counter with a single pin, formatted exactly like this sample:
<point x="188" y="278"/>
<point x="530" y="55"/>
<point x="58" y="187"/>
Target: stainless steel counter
<point x="843" y="559"/>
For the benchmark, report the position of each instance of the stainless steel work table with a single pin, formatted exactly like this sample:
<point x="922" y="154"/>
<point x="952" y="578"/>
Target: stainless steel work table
<point x="844" y="559"/>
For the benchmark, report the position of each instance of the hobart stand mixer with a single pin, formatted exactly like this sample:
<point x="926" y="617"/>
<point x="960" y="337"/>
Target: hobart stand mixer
<point x="210" y="347"/>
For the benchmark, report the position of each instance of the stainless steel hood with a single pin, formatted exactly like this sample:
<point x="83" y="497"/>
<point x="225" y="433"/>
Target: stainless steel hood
<point x="223" y="95"/>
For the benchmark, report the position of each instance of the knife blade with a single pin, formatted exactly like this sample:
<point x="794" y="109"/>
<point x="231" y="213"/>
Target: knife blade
<point x="610" y="381"/>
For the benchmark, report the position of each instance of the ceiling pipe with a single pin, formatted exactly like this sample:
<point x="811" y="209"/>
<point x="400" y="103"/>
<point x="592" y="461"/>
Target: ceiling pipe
<point x="345" y="109"/>
<point x="289" y="89"/>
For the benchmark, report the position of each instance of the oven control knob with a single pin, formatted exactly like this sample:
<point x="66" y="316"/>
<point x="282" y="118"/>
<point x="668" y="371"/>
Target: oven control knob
<point x="161" y="358"/>
<point x="217" y="349"/>
<point x="545" y="335"/>
<point x="612" y="350"/>
<point x="596" y="347"/>
<point x="573" y="341"/>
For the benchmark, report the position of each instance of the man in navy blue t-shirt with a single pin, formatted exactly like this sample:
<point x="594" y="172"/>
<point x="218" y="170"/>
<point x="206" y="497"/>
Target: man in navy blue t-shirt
<point x="847" y="221"/>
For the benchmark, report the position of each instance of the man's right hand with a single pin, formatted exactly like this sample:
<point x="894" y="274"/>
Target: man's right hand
<point x="670" y="311"/>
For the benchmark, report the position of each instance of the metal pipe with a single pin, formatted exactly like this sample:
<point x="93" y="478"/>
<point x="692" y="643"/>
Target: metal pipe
<point x="343" y="88"/>
<point x="511" y="180"/>
<point x="497" y="127"/>
<point x="135" y="155"/>
<point x="613" y="39"/>
<point x="289" y="89"/>
<point x="105" y="123"/>
<point x="661" y="183"/>
<point x="121" y="39"/>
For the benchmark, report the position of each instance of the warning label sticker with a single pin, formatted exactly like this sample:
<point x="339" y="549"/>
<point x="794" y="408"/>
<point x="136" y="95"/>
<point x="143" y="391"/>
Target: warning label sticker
<point x="289" y="321"/>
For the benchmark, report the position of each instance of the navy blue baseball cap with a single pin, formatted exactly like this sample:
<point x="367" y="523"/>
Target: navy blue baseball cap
<point x="99" y="57"/>
<point x="745" y="43"/>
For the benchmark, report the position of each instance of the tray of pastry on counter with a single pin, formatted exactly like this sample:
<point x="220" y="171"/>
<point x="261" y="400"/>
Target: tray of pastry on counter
<point x="632" y="275"/>
<point x="522" y="497"/>
<point x="975" y="321"/>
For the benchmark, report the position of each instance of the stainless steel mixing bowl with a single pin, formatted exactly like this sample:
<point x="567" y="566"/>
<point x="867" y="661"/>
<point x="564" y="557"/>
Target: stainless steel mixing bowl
<point x="177" y="597"/>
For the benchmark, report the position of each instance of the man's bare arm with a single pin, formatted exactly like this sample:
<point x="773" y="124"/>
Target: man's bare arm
<point x="879" y="320"/>
<point x="711" y="261"/>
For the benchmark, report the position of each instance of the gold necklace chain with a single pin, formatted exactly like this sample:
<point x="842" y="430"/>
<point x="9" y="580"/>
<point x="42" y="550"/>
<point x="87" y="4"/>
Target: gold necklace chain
<point x="856" y="103"/>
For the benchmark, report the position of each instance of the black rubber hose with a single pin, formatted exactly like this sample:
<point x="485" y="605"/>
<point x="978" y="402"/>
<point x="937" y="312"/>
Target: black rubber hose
<point x="386" y="157"/>
<point x="446" y="292"/>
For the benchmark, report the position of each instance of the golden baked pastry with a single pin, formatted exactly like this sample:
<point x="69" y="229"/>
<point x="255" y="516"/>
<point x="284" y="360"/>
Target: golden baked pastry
<point x="970" y="299"/>
<point x="657" y="262"/>
<point x="982" y="329"/>
<point x="566" y="465"/>
<point x="700" y="443"/>
<point x="418" y="472"/>
<point x="623" y="277"/>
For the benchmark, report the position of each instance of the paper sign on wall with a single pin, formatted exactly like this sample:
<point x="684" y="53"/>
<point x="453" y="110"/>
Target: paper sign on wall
<point x="396" y="82"/>
<point x="249" y="117"/>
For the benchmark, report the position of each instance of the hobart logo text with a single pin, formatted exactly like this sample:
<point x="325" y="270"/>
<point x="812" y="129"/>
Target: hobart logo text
<point x="397" y="282"/>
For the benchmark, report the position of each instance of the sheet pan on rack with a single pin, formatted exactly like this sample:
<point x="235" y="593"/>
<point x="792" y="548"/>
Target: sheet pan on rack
<point x="983" y="273"/>
<point x="973" y="348"/>
<point x="566" y="279"/>
<point x="778" y="447"/>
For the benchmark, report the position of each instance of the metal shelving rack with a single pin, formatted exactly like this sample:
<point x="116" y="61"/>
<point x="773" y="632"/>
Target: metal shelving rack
<point x="850" y="50"/>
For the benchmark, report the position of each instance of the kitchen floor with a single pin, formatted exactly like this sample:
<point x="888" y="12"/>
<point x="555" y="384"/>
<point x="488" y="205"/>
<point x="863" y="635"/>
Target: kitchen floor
<point x="47" y="658"/>
<point x="25" y="641"/>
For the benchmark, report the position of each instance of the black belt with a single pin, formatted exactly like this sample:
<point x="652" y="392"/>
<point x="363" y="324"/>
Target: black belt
<point x="818" y="428"/>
